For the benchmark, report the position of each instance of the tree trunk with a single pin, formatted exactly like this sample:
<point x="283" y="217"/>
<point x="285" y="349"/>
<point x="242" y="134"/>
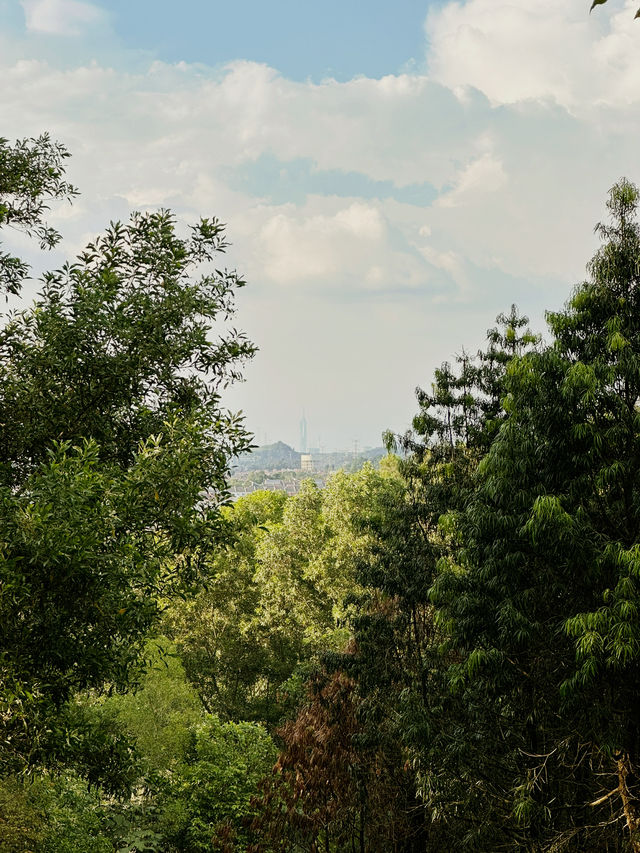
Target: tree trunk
<point x="628" y="788"/>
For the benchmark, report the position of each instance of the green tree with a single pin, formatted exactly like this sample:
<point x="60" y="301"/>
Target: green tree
<point x="223" y="644"/>
<point x="344" y="778"/>
<point x="160" y="714"/>
<point x="31" y="176"/>
<point x="22" y="821"/>
<point x="542" y="604"/>
<point x="272" y="606"/>
<point x="114" y="454"/>
<point x="411" y="522"/>
<point x="209" y="795"/>
<point x="197" y="774"/>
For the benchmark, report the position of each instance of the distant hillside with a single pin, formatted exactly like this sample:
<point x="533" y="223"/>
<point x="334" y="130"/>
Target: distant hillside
<point x="347" y="460"/>
<point x="281" y="457"/>
<point x="271" y="457"/>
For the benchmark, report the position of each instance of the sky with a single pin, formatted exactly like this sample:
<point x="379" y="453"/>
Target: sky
<point x="392" y="176"/>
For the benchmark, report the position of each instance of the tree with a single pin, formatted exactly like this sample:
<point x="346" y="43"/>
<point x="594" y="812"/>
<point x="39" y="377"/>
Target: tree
<point x="411" y="524"/>
<point x="198" y="773"/>
<point x="114" y="453"/>
<point x="275" y="602"/>
<point x="31" y="175"/>
<point x="222" y="636"/>
<point x="542" y="604"/>
<point x="328" y="790"/>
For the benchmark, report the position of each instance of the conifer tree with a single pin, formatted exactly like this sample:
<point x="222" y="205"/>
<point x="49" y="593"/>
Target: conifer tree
<point x="401" y="654"/>
<point x="542" y="603"/>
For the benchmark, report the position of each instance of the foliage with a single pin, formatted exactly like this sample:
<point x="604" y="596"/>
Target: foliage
<point x="21" y="818"/>
<point x="76" y="820"/>
<point x="274" y="603"/>
<point x="195" y="777"/>
<point x="413" y="524"/>
<point x="328" y="790"/>
<point x="211" y="790"/>
<point x="200" y="773"/>
<point x="111" y="432"/>
<point x="225" y="649"/>
<point x="31" y="175"/>
<point x="52" y="815"/>
<point x="495" y="658"/>
<point x="160" y="714"/>
<point x="447" y="648"/>
<point x="540" y="607"/>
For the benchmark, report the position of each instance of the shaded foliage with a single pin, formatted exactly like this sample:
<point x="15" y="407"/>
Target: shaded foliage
<point x="329" y="790"/>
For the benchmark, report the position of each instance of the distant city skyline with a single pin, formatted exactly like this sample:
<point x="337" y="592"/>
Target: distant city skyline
<point x="355" y="446"/>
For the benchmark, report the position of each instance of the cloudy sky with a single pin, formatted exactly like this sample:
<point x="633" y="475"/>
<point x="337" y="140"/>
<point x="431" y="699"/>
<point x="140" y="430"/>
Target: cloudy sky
<point x="392" y="175"/>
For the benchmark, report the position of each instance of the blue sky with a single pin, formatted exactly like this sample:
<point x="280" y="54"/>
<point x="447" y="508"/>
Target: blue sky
<point x="391" y="177"/>
<point x="302" y="40"/>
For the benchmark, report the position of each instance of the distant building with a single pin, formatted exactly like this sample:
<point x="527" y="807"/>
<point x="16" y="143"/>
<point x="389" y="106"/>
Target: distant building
<point x="303" y="434"/>
<point x="273" y="486"/>
<point x="306" y="462"/>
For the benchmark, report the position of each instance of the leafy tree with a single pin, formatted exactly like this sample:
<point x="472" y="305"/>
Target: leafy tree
<point x="276" y="601"/>
<point x="342" y="780"/>
<point x="52" y="815"/>
<point x="411" y="525"/>
<point x="273" y="604"/>
<point x="31" y="175"/>
<point x="160" y="714"/>
<point x="209" y="795"/>
<point x="21" y="818"/>
<point x="542" y="604"/>
<point x="198" y="774"/>
<point x="111" y="433"/>
<point x="223" y="641"/>
<point x="76" y="820"/>
<point x="296" y="604"/>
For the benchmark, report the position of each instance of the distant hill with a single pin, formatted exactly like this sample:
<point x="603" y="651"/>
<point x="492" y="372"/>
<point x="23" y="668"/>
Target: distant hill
<point x="347" y="460"/>
<point x="271" y="457"/>
<point x="281" y="457"/>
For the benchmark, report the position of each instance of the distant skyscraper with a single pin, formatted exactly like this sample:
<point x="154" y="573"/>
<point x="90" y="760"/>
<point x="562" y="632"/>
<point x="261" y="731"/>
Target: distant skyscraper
<point x="303" y="434"/>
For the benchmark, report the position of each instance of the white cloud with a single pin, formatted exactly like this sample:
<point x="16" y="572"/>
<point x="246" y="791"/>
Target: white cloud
<point x="513" y="50"/>
<point x="450" y="262"/>
<point x="513" y="177"/>
<point x="484" y="174"/>
<point x="527" y="116"/>
<point x="337" y="244"/>
<point x="61" y="17"/>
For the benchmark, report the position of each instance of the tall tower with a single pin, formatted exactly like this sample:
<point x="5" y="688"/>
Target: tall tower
<point x="303" y="434"/>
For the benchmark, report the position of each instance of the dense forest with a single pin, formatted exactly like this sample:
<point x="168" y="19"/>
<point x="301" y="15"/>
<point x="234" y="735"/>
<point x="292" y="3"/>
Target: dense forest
<point x="438" y="653"/>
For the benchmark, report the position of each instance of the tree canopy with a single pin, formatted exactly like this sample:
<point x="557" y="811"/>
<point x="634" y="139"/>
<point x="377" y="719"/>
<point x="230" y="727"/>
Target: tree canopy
<point x="114" y="451"/>
<point x="32" y="173"/>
